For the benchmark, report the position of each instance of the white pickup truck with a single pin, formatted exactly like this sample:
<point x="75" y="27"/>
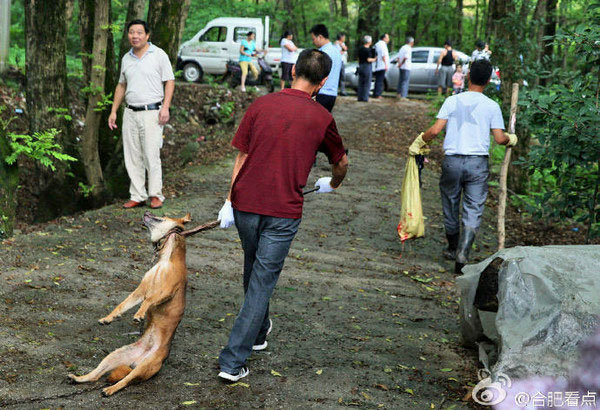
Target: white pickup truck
<point x="219" y="41"/>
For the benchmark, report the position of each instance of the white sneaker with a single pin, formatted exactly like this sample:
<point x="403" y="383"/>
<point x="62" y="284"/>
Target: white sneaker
<point x="243" y="89"/>
<point x="264" y="345"/>
<point x="243" y="372"/>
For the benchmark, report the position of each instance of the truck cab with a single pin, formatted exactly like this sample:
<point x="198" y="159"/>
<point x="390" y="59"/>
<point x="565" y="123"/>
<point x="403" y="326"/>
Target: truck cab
<point x="219" y="41"/>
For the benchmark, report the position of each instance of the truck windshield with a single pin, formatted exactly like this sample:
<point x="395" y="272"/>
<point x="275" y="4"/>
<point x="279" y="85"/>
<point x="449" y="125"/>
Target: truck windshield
<point x="215" y="34"/>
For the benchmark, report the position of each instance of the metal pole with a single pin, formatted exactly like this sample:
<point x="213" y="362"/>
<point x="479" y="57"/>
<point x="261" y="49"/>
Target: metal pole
<point x="4" y="33"/>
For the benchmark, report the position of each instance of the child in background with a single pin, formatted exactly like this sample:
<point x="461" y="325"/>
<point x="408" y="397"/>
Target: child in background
<point x="458" y="80"/>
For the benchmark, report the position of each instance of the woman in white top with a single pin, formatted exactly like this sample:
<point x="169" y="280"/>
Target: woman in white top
<point x="288" y="57"/>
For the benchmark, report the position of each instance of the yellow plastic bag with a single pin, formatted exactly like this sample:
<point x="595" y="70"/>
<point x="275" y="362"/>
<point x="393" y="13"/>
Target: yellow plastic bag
<point x="411" y="223"/>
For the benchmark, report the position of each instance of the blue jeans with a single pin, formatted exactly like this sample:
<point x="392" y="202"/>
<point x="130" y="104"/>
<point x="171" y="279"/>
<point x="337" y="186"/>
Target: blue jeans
<point x="364" y="81"/>
<point x="266" y="242"/>
<point x="403" y="81"/>
<point x="466" y="176"/>
<point x="379" y="77"/>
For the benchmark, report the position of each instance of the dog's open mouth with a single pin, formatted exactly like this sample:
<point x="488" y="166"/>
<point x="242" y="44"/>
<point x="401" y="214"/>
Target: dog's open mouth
<point x="150" y="220"/>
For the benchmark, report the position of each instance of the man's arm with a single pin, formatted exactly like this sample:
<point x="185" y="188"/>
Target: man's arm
<point x="338" y="171"/>
<point x="500" y="136"/>
<point x="237" y="165"/>
<point x="434" y="130"/>
<point x="442" y="55"/>
<point x="117" y="100"/>
<point x="163" y="114"/>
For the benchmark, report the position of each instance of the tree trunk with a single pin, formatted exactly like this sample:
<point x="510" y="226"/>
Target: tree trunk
<point x="184" y="14"/>
<point x="550" y="28"/>
<point x="344" y="8"/>
<point x="290" y="21"/>
<point x="412" y="23"/>
<point x="459" y="19"/>
<point x="9" y="181"/>
<point x="368" y="20"/>
<point x="89" y="151"/>
<point x="476" y="25"/>
<point x="45" y="65"/>
<point x="135" y="11"/>
<point x="165" y="20"/>
<point x="86" y="37"/>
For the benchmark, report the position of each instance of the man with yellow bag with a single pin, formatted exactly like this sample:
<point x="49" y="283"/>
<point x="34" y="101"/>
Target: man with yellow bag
<point x="468" y="118"/>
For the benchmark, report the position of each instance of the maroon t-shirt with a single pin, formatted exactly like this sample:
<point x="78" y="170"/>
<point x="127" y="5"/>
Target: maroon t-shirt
<point x="281" y="133"/>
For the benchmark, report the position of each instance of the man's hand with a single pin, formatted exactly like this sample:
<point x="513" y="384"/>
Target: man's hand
<point x="163" y="115"/>
<point x="512" y="139"/>
<point x="226" y="215"/>
<point x="324" y="185"/>
<point x="416" y="148"/>
<point x="112" y="121"/>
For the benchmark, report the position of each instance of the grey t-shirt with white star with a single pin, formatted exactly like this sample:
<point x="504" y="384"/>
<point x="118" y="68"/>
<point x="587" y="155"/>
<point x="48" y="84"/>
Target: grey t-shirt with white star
<point x="471" y="116"/>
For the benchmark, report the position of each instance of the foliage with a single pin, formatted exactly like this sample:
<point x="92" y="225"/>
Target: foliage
<point x="41" y="146"/>
<point x="564" y="117"/>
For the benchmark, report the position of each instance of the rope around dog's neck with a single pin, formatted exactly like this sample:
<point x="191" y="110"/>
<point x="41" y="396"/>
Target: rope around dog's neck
<point x="160" y="244"/>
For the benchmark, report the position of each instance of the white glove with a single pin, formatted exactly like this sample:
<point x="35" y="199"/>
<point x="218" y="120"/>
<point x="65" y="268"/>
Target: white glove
<point x="324" y="185"/>
<point x="226" y="215"/>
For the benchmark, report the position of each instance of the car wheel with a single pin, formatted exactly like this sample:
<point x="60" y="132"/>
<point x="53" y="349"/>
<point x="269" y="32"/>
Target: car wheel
<point x="192" y="72"/>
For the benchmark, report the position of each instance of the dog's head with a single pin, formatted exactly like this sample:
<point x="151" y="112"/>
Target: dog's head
<point x="159" y="226"/>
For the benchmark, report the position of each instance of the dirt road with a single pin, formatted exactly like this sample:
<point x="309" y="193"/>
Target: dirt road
<point x="358" y="319"/>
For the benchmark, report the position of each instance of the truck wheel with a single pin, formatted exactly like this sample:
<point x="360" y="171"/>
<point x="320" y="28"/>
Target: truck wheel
<point x="192" y="72"/>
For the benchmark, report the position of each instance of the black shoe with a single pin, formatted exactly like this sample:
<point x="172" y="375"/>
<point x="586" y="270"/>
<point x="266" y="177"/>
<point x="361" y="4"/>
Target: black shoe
<point x="450" y="251"/>
<point x="464" y="247"/>
<point x="243" y="372"/>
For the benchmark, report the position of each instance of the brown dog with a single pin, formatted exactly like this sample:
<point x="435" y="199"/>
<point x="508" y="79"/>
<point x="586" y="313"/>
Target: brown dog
<point x="162" y="297"/>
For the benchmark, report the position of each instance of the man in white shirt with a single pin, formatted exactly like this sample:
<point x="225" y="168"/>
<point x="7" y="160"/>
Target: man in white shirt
<point x="404" y="66"/>
<point x="381" y="65"/>
<point x="468" y="118"/>
<point x="340" y="44"/>
<point x="147" y="84"/>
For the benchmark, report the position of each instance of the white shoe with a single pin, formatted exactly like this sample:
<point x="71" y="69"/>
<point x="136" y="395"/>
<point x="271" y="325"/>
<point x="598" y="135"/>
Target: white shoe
<point x="243" y="89"/>
<point x="243" y="372"/>
<point x="264" y="345"/>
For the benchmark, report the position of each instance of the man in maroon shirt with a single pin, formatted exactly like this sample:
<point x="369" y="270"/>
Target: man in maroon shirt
<point x="277" y="140"/>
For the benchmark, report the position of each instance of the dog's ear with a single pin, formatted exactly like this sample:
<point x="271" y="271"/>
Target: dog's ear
<point x="187" y="218"/>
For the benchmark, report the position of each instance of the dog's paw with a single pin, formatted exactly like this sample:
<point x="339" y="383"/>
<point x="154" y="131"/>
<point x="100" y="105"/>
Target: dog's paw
<point x="138" y="318"/>
<point x="105" y="320"/>
<point x="108" y="391"/>
<point x="71" y="378"/>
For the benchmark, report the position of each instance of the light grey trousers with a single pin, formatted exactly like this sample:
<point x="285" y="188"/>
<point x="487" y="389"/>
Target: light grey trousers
<point x="466" y="176"/>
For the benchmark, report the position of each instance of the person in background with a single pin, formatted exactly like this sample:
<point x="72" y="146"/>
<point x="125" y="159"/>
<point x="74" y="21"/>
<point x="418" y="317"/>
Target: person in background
<point x="381" y="65"/>
<point x="444" y="74"/>
<point x="147" y="83"/>
<point x="283" y="130"/>
<point x="340" y="44"/>
<point x="404" y="65"/>
<point x="328" y="93"/>
<point x="366" y="57"/>
<point x="247" y="51"/>
<point x="469" y="118"/>
<point x="482" y="50"/>
<point x="458" y="80"/>
<point x="288" y="57"/>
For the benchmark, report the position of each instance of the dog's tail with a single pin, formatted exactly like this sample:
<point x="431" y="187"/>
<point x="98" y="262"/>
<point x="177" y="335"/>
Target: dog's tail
<point x="119" y="373"/>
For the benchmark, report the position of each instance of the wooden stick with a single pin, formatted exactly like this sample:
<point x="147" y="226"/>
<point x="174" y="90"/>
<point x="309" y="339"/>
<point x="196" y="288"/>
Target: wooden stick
<point x="200" y="228"/>
<point x="514" y="99"/>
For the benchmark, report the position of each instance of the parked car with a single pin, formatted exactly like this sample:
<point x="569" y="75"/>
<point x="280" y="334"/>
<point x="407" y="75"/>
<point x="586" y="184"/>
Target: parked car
<point x="422" y="74"/>
<point x="219" y="42"/>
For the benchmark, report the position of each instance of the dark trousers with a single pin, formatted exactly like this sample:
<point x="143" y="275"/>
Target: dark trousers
<point x="364" y="81"/>
<point x="266" y="242"/>
<point x="342" y="83"/>
<point x="327" y="101"/>
<point x="379" y="77"/>
<point x="466" y="176"/>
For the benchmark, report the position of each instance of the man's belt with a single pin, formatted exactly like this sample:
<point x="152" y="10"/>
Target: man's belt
<point x="155" y="106"/>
